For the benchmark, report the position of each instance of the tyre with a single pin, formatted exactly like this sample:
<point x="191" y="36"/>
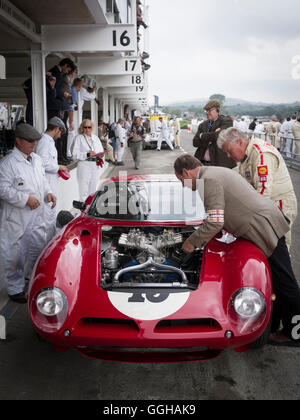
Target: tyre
<point x="263" y="339"/>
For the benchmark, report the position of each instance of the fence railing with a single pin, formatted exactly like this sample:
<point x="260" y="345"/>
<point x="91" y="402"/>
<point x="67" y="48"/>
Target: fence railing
<point x="288" y="147"/>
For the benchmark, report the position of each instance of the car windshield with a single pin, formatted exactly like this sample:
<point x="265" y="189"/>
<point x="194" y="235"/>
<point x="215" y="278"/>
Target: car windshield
<point x="147" y="200"/>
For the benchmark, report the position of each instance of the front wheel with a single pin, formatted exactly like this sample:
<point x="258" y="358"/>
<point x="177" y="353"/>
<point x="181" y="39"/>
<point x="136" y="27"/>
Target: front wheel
<point x="263" y="339"/>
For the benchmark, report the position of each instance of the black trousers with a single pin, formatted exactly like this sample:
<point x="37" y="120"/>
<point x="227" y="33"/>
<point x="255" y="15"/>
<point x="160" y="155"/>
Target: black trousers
<point x="286" y="288"/>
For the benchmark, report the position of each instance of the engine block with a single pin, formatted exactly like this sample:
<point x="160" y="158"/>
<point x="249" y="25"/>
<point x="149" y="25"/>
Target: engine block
<point x="150" y="243"/>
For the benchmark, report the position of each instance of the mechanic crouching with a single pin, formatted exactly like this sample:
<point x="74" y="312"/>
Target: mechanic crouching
<point x="24" y="191"/>
<point x="234" y="205"/>
<point x="262" y="165"/>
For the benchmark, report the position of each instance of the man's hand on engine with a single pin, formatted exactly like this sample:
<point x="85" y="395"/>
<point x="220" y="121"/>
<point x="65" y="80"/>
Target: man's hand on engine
<point x="188" y="247"/>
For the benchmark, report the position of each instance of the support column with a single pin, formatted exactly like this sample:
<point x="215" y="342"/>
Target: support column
<point x="39" y="99"/>
<point x="121" y="109"/>
<point x="112" y="116"/>
<point x="105" y="106"/>
<point x="94" y="114"/>
<point x="117" y="107"/>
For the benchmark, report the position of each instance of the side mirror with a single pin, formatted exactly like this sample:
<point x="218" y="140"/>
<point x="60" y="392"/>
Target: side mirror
<point x="63" y="218"/>
<point x="79" y="205"/>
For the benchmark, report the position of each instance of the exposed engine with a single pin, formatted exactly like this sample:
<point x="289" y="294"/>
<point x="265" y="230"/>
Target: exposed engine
<point x="149" y="244"/>
<point x="148" y="255"/>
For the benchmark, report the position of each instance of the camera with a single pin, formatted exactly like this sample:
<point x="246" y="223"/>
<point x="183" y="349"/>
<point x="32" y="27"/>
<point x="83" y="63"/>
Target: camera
<point x="88" y="83"/>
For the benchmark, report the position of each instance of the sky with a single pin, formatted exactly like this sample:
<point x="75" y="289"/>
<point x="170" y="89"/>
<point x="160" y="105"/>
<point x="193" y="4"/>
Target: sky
<point x="246" y="49"/>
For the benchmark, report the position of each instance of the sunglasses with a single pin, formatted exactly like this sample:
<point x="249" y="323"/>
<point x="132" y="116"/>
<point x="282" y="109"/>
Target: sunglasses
<point x="87" y="127"/>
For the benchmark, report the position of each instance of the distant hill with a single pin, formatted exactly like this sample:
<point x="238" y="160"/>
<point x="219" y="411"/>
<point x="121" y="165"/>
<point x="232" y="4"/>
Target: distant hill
<point x="228" y="102"/>
<point x="235" y="107"/>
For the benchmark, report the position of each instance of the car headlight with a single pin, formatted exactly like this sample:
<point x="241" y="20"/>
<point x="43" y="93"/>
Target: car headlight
<point x="49" y="309"/>
<point x="248" y="303"/>
<point x="51" y="302"/>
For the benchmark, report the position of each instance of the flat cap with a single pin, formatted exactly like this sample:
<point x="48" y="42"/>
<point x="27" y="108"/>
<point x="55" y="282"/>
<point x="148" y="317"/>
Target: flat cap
<point x="27" y="132"/>
<point x="57" y="122"/>
<point x="212" y="104"/>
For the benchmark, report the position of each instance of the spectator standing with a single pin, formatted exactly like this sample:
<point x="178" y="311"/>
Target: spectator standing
<point x="278" y="126"/>
<point x="291" y="150"/>
<point x="64" y="67"/>
<point x="112" y="138"/>
<point x="67" y="114"/>
<point x="271" y="131"/>
<point x="120" y="134"/>
<point x="127" y="125"/>
<point x="23" y="192"/>
<point x="47" y="151"/>
<point x="85" y="148"/>
<point x="164" y="135"/>
<point x="252" y="125"/>
<point x="207" y="135"/>
<point x="296" y="134"/>
<point x="242" y="125"/>
<point x="73" y="115"/>
<point x="171" y="131"/>
<point x="177" y="133"/>
<point x="286" y="137"/>
<point x="147" y="126"/>
<point x="84" y="95"/>
<point x="103" y="136"/>
<point x="234" y="121"/>
<point x="136" y="138"/>
<point x="56" y="107"/>
<point x="259" y="129"/>
<point x="27" y="87"/>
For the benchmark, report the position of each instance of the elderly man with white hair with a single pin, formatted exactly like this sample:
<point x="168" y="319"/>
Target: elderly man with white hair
<point x="264" y="168"/>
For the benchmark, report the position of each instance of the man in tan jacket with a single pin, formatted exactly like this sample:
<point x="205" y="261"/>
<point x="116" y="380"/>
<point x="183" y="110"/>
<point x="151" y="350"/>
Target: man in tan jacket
<point x="264" y="168"/>
<point x="232" y="204"/>
<point x="177" y="133"/>
<point x="272" y="132"/>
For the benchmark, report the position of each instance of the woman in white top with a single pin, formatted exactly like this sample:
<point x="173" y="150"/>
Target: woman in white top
<point x="86" y="145"/>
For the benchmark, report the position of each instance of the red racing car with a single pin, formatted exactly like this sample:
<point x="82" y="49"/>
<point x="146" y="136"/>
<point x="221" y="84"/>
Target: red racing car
<point x="115" y="284"/>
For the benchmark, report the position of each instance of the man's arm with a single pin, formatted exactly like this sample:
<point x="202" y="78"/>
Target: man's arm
<point x="212" y="136"/>
<point x="197" y="139"/>
<point x="263" y="171"/>
<point x="214" y="204"/>
<point x="43" y="150"/>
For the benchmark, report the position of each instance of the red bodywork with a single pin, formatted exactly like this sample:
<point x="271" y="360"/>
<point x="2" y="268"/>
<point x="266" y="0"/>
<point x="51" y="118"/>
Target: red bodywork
<point x="72" y="263"/>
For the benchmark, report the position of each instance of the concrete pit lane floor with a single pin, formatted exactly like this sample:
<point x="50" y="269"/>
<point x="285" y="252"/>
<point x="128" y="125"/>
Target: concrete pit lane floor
<point x="30" y="369"/>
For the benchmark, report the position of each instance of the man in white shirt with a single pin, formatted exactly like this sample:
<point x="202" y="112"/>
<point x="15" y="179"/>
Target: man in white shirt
<point x="164" y="135"/>
<point x="24" y="190"/>
<point x="259" y="129"/>
<point x="296" y="133"/>
<point x="292" y="148"/>
<point x="47" y="151"/>
<point x="286" y="136"/>
<point x="120" y="133"/>
<point x="243" y="126"/>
